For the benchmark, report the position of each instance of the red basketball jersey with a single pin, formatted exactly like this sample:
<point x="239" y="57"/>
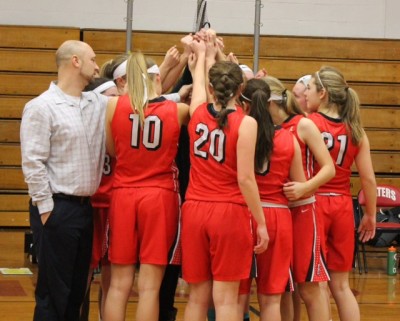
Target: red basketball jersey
<point x="146" y="154"/>
<point x="276" y="173"/>
<point x="103" y="194"/>
<point x="342" y="150"/>
<point x="213" y="157"/>
<point x="308" y="160"/>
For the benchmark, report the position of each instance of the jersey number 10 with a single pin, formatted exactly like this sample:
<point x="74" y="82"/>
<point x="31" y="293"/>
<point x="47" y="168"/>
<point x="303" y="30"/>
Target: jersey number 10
<point x="152" y="132"/>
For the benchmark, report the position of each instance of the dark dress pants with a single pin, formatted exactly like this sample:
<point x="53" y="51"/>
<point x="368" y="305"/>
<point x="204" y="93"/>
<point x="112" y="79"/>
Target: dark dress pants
<point x="63" y="246"/>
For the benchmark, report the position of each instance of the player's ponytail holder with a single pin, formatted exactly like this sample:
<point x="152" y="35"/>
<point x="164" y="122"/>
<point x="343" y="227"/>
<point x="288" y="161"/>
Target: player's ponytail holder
<point x="245" y="98"/>
<point x="145" y="94"/>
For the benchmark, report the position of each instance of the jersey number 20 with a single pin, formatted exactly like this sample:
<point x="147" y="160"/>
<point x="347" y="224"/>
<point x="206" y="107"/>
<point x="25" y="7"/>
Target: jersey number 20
<point x="216" y="138"/>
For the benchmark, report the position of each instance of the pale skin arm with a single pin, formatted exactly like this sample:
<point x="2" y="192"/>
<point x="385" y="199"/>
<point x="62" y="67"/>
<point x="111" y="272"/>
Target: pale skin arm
<point x="247" y="181"/>
<point x="211" y="52"/>
<point x="211" y="36"/>
<point x="173" y="75"/>
<point x="311" y="136"/>
<point x="363" y="162"/>
<point x="296" y="173"/>
<point x="197" y="68"/>
<point x="220" y="53"/>
<point x="296" y="168"/>
<point x="183" y="114"/>
<point x="219" y="41"/>
<point x="175" y="64"/>
<point x="184" y="93"/>
<point x="171" y="59"/>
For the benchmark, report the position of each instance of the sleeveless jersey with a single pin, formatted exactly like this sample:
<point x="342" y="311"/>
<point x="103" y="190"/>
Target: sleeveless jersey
<point x="146" y="156"/>
<point x="270" y="181"/>
<point x="103" y="194"/>
<point x="307" y="158"/>
<point x="342" y="150"/>
<point x="213" y="156"/>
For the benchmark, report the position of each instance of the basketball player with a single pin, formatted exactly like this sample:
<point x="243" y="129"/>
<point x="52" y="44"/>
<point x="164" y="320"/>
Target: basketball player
<point x="217" y="242"/>
<point x="278" y="159"/>
<point x="338" y="119"/>
<point x="142" y="132"/>
<point x="308" y="261"/>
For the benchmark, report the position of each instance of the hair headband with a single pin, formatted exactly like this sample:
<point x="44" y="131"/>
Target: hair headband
<point x="104" y="86"/>
<point x="319" y="79"/>
<point x="275" y="97"/>
<point x="120" y="71"/>
<point x="245" y="68"/>
<point x="153" y="70"/>
<point x="304" y="80"/>
<point x="282" y="97"/>
<point x="245" y="98"/>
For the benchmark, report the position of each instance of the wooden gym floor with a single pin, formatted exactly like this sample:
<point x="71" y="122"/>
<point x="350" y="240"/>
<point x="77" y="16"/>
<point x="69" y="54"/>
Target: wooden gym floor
<point x="378" y="295"/>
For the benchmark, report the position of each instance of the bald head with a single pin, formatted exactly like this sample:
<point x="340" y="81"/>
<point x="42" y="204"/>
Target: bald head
<point x="70" y="48"/>
<point x="76" y="66"/>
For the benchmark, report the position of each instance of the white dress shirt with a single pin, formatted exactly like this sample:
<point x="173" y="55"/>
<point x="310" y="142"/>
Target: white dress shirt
<point x="62" y="145"/>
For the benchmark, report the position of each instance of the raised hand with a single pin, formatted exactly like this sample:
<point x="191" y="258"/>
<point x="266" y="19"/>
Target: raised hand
<point x="185" y="92"/>
<point x="198" y="46"/>
<point x="211" y="48"/>
<point x="186" y="41"/>
<point x="232" y="58"/>
<point x="171" y="57"/>
<point x="261" y="73"/>
<point x="192" y="62"/>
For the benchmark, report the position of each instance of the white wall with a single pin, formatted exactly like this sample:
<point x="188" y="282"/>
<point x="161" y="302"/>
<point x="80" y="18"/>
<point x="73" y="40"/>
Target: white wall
<point x="337" y="18"/>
